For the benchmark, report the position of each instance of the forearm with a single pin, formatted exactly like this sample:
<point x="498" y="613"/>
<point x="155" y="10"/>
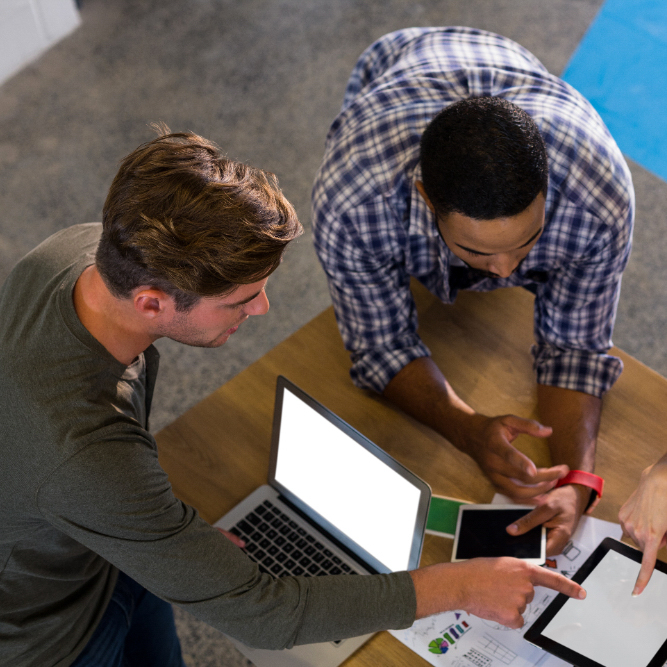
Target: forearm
<point x="644" y="518"/>
<point x="421" y="390"/>
<point x="575" y="420"/>
<point x="496" y="589"/>
<point x="434" y="590"/>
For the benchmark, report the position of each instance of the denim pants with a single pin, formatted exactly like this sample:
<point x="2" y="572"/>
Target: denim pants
<point x="137" y="630"/>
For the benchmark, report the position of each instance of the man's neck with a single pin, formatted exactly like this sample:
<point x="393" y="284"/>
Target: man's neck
<point x="110" y="320"/>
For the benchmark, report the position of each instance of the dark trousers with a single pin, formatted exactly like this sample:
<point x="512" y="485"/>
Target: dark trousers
<point x="137" y="630"/>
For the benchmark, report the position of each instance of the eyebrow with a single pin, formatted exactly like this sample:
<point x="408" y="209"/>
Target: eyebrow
<point x="244" y="301"/>
<point x="488" y="254"/>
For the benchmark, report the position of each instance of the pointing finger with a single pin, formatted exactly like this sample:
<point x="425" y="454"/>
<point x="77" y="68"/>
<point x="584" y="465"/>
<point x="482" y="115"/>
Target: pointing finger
<point x="557" y="582"/>
<point x="536" y="517"/>
<point x="648" y="563"/>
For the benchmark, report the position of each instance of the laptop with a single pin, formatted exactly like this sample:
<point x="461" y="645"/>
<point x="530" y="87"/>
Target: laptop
<point x="335" y="504"/>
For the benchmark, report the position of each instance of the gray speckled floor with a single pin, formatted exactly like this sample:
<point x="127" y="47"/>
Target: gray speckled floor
<point x="263" y="78"/>
<point x="203" y="646"/>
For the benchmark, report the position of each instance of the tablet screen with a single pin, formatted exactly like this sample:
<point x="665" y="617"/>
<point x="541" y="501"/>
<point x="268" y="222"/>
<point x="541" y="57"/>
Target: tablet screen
<point x="481" y="531"/>
<point x="610" y="627"/>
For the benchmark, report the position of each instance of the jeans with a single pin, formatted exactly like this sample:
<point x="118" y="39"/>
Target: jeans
<point x="137" y="630"/>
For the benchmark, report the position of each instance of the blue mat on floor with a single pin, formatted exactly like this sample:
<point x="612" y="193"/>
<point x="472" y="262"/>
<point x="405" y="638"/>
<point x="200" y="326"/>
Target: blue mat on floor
<point x="621" y="67"/>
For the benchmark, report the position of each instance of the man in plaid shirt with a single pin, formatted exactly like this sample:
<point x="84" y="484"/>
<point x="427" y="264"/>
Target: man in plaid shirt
<point x="459" y="160"/>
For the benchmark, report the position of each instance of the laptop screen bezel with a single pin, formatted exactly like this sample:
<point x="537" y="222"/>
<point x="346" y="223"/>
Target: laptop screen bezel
<point x="424" y="489"/>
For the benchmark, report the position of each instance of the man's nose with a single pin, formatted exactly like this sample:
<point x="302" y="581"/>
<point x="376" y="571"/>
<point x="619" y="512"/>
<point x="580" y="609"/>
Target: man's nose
<point x="502" y="265"/>
<point x="259" y="305"/>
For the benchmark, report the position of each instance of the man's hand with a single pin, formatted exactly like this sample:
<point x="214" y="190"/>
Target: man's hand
<point x="233" y="538"/>
<point x="422" y="391"/>
<point x="489" y="442"/>
<point x="496" y="589"/>
<point x="559" y="511"/>
<point x="644" y="518"/>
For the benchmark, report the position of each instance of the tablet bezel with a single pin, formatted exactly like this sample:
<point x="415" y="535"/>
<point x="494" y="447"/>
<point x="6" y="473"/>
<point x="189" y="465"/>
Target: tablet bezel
<point x="534" y="633"/>
<point x="494" y="507"/>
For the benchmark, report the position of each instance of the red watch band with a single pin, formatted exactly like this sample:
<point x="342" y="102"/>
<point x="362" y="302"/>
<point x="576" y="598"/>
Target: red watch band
<point x="588" y="479"/>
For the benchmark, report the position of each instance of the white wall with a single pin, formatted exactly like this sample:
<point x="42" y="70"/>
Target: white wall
<point x="29" y="27"/>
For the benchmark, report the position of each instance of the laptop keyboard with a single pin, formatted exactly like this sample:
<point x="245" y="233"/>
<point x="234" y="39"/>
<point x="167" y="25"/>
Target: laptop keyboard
<point x="283" y="548"/>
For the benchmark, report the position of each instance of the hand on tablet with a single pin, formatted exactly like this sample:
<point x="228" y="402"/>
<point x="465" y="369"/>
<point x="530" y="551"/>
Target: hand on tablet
<point x="497" y="589"/>
<point x="559" y="511"/>
<point x="511" y="472"/>
<point x="644" y="518"/>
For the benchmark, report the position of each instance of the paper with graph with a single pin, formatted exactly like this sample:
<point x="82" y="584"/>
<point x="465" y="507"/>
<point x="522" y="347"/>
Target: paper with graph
<point x="459" y="639"/>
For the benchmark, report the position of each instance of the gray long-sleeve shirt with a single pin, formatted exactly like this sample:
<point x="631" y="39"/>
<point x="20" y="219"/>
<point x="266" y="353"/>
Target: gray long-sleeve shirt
<point x="82" y="495"/>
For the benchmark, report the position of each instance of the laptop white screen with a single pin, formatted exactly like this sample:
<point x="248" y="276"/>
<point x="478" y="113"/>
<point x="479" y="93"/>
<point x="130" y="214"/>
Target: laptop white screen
<point x="346" y="484"/>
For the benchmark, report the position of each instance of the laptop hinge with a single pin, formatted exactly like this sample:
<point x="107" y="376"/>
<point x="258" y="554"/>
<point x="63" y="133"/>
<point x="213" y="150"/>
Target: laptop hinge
<point x="350" y="554"/>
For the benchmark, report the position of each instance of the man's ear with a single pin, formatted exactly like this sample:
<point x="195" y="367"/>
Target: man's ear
<point x="152" y="303"/>
<point x="420" y="186"/>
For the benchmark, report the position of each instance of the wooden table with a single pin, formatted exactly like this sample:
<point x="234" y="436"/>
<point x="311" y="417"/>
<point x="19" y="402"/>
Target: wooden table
<point x="218" y="452"/>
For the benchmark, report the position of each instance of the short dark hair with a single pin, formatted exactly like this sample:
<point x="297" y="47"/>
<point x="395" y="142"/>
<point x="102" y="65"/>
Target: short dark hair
<point x="483" y="157"/>
<point x="182" y="218"/>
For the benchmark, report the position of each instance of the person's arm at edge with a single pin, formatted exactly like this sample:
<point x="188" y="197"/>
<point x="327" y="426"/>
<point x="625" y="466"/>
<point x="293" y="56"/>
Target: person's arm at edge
<point x="421" y="390"/>
<point x="644" y="518"/>
<point x="575" y="419"/>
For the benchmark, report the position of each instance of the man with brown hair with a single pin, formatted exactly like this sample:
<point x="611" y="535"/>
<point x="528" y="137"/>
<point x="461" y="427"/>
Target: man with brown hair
<point x="89" y="521"/>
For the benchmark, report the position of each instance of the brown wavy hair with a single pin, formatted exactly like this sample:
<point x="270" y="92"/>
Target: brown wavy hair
<point x="182" y="218"/>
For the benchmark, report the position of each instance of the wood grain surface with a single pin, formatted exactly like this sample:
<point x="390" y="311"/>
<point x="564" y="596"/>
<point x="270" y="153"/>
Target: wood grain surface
<point x="218" y="452"/>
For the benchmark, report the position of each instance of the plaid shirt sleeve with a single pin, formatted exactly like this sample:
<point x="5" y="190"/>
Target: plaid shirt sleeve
<point x="575" y="309"/>
<point x="370" y="290"/>
<point x="585" y="248"/>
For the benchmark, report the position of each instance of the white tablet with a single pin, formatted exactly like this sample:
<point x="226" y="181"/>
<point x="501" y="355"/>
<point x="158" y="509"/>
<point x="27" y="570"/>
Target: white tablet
<point x="609" y="628"/>
<point x="481" y="531"/>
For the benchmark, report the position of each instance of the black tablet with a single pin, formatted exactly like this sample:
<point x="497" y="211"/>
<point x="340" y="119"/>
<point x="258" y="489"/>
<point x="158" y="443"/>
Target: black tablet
<point x="481" y="531"/>
<point x="609" y="628"/>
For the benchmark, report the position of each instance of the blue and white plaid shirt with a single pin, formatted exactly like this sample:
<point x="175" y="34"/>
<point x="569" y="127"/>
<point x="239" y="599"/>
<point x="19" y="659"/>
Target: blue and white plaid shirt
<point x="373" y="230"/>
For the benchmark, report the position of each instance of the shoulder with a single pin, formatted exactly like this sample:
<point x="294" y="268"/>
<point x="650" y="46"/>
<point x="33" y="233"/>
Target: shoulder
<point x="414" y="52"/>
<point x="586" y="166"/>
<point x="398" y="85"/>
<point x="36" y="297"/>
<point x="70" y="241"/>
<point x="60" y="250"/>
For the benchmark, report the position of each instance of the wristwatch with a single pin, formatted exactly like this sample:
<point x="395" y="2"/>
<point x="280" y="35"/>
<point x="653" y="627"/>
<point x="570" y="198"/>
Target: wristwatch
<point x="594" y="482"/>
